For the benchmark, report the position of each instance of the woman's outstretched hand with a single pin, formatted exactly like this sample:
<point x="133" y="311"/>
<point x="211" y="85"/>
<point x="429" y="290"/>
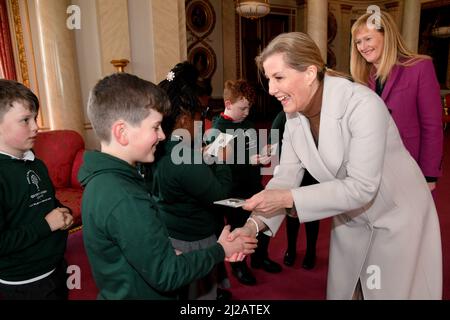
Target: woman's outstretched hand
<point x="268" y="202"/>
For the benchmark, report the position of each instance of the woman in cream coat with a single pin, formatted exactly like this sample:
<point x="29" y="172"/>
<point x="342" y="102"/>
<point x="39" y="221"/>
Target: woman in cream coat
<point x="385" y="238"/>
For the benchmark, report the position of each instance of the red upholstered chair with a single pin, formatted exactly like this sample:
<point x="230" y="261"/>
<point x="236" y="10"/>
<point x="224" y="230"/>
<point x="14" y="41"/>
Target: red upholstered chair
<point x="62" y="152"/>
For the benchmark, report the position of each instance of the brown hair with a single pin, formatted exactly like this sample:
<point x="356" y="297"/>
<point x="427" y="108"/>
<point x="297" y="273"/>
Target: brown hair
<point x="395" y="50"/>
<point x="12" y="91"/>
<point x="237" y="89"/>
<point x="123" y="96"/>
<point x="299" y="52"/>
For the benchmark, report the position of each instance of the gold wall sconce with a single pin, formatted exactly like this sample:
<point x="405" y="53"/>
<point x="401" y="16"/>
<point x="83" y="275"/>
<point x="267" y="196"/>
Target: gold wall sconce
<point x="120" y="64"/>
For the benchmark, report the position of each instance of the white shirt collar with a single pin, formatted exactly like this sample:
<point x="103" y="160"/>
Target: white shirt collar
<point x="28" y="155"/>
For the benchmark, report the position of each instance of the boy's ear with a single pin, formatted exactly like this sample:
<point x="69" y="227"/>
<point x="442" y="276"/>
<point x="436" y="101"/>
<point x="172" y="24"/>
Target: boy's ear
<point x="119" y="132"/>
<point x="228" y="104"/>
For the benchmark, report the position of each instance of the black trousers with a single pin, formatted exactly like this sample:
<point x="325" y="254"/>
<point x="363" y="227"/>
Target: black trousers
<point x="52" y="287"/>
<point x="293" y="224"/>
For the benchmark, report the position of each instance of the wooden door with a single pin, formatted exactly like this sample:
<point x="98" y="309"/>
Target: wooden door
<point x="255" y="35"/>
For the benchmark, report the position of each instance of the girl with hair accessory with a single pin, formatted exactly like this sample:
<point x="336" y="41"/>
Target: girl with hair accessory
<point x="186" y="191"/>
<point x="408" y="85"/>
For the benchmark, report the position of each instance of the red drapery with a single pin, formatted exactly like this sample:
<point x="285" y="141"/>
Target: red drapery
<point x="7" y="68"/>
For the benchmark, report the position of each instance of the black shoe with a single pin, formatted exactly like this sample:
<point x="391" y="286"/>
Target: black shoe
<point x="267" y="265"/>
<point x="223" y="295"/>
<point x="243" y="273"/>
<point x="309" y="261"/>
<point x="289" y="258"/>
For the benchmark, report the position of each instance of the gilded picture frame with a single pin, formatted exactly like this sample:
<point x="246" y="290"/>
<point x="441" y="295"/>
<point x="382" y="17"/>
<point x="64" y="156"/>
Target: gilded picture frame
<point x="204" y="59"/>
<point x="200" y="16"/>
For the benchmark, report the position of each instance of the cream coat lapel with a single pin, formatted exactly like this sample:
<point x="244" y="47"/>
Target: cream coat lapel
<point x="306" y="150"/>
<point x="325" y="162"/>
<point x="334" y="105"/>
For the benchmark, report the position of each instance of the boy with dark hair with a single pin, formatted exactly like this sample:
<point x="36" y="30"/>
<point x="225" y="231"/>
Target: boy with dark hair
<point x="126" y="242"/>
<point x="32" y="222"/>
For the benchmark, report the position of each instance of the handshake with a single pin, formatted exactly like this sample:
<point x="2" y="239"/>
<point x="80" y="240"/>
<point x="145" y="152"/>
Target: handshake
<point x="237" y="244"/>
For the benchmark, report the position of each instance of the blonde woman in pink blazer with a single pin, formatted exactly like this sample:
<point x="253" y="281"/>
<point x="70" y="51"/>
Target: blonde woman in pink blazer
<point x="408" y="85"/>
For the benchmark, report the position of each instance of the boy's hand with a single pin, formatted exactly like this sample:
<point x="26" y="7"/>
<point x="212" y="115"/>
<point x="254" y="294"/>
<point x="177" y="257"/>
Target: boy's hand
<point x="224" y="154"/>
<point x="241" y="245"/>
<point x="246" y="231"/>
<point x="236" y="257"/>
<point x="59" y="218"/>
<point x="258" y="159"/>
<point x="68" y="220"/>
<point x="264" y="157"/>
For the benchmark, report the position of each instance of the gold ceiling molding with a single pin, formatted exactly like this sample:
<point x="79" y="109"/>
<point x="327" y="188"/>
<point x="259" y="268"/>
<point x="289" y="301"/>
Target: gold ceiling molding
<point x="20" y="43"/>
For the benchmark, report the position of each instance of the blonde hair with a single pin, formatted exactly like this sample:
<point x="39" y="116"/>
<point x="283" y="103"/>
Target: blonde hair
<point x="395" y="50"/>
<point x="299" y="52"/>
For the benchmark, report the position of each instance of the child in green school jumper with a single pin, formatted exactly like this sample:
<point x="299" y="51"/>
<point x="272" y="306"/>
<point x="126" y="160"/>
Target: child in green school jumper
<point x="33" y="223"/>
<point x="126" y="241"/>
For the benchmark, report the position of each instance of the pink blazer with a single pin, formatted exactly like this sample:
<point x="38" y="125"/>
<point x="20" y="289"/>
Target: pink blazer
<point x="412" y="95"/>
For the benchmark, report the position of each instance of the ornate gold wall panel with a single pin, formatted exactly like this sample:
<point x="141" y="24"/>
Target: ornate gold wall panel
<point x="23" y="67"/>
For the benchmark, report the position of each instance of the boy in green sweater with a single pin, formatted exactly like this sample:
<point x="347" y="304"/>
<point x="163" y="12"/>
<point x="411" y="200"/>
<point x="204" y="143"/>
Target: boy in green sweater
<point x="126" y="242"/>
<point x="33" y="223"/>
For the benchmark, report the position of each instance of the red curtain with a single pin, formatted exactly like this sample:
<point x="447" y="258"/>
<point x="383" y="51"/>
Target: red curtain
<point x="7" y="68"/>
